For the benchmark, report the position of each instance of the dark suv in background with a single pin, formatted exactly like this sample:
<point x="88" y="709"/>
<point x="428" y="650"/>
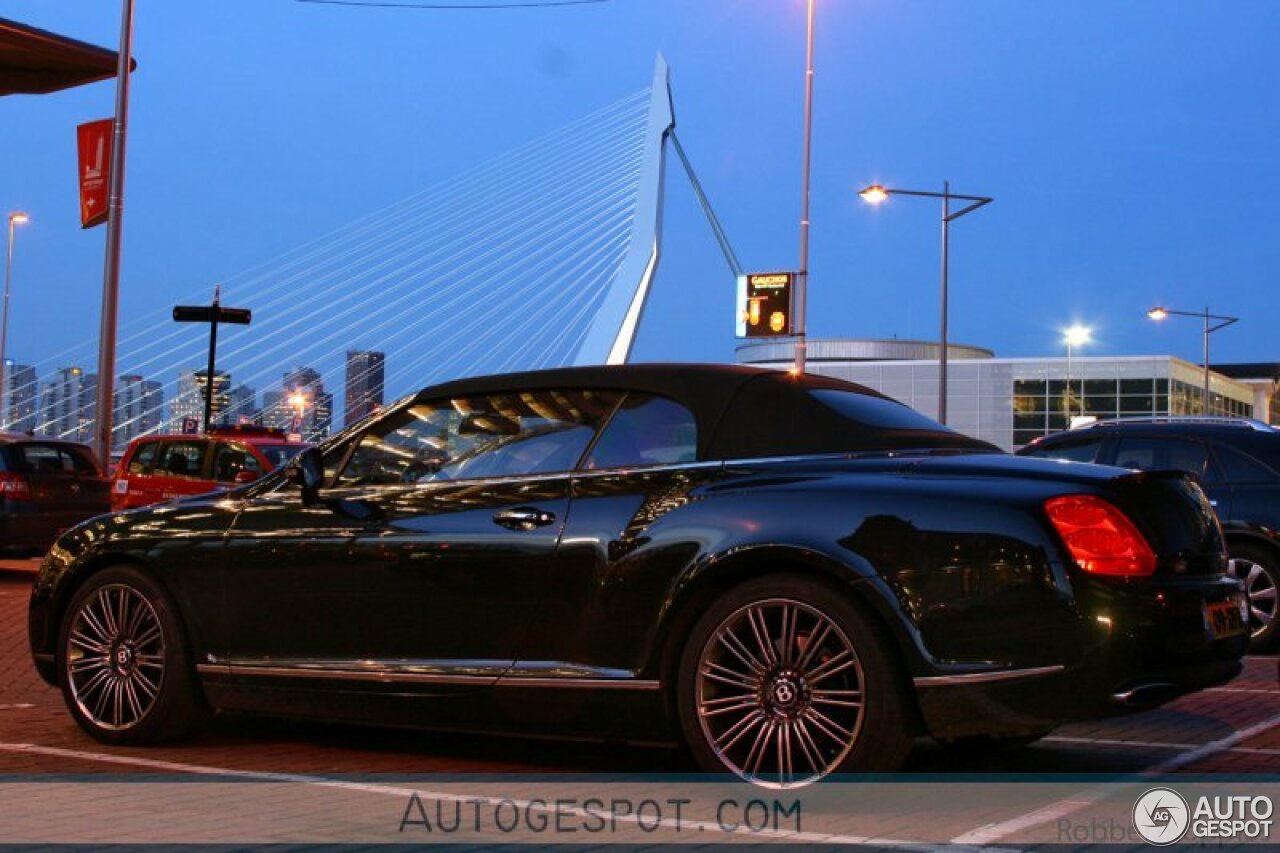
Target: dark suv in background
<point x="1238" y="462"/>
<point x="46" y="486"/>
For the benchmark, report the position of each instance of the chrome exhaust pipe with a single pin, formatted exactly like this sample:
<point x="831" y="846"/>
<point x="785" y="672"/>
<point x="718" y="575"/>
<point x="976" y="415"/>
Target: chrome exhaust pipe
<point x="1145" y="694"/>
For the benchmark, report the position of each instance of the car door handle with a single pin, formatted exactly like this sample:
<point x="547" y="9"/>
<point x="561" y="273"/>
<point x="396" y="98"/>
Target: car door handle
<point x="523" y="518"/>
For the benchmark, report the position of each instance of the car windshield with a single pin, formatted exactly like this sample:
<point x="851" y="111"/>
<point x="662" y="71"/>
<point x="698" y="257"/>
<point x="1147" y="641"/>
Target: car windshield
<point x="278" y="454"/>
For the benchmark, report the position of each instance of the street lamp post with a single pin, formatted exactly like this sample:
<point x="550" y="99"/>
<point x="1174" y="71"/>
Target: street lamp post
<point x="14" y="219"/>
<point x="1074" y="337"/>
<point x="1160" y="312"/>
<point x="876" y="194"/>
<point x="799" y="313"/>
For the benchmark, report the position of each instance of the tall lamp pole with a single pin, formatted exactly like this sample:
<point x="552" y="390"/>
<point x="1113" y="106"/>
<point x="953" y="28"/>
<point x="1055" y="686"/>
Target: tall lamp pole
<point x="875" y="194"/>
<point x="14" y="219"/>
<point x="115" y="225"/>
<point x="1160" y="312"/>
<point x="802" y="279"/>
<point x="1074" y="337"/>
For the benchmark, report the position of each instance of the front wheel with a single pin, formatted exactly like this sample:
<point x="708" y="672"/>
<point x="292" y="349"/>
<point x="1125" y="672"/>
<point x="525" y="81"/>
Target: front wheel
<point x="124" y="668"/>
<point x="1259" y="571"/>
<point x="784" y="680"/>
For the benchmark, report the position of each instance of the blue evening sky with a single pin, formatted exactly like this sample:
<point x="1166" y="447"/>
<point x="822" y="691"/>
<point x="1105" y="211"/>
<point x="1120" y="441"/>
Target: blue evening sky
<point x="1133" y="150"/>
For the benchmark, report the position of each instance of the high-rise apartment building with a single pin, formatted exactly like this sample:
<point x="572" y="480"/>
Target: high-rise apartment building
<point x="242" y="406"/>
<point x="303" y="406"/>
<point x="20" y="402"/>
<point x="60" y="402"/>
<point x="365" y="370"/>
<point x="138" y="405"/>
<point x="190" y="400"/>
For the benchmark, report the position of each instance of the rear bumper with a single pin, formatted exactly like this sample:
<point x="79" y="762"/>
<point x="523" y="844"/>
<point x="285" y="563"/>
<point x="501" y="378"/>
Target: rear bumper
<point x="31" y="532"/>
<point x="1146" y="645"/>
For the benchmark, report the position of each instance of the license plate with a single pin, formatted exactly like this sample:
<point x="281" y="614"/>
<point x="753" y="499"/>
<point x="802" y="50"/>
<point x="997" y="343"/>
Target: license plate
<point x="1225" y="618"/>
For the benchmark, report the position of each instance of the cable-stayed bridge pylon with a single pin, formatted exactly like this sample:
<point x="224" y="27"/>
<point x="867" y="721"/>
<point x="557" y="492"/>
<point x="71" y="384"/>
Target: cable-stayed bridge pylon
<point x="539" y="257"/>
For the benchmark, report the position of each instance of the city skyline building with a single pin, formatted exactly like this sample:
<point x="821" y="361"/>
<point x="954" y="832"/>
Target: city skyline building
<point x="87" y="410"/>
<point x="60" y="404"/>
<point x="19" y="404"/>
<point x="366" y="371"/>
<point x="138" y="405"/>
<point x="190" y="400"/>
<point x="301" y="407"/>
<point x="242" y="406"/>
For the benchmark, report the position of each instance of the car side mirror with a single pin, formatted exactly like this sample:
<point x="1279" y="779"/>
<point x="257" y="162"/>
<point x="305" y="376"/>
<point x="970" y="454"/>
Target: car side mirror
<point x="245" y="477"/>
<point x="306" y="471"/>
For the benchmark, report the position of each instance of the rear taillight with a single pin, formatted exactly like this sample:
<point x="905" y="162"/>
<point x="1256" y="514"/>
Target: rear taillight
<point x="1101" y="538"/>
<point x="14" y="486"/>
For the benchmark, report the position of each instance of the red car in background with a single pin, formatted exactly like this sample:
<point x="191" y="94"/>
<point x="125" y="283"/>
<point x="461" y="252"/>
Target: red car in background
<point x="162" y="467"/>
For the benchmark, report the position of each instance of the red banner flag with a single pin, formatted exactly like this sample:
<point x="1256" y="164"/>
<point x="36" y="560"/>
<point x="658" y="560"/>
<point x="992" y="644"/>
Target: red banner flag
<point x="94" y="144"/>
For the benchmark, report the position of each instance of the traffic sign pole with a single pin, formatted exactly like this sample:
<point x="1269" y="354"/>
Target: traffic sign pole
<point x="213" y="315"/>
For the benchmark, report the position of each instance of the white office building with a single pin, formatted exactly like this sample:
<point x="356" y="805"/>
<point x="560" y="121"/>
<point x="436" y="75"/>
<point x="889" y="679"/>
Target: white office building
<point x="1010" y="401"/>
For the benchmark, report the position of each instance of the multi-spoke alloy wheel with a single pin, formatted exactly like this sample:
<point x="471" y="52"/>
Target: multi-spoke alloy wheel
<point x="1260" y="580"/>
<point x="124" y="667"/>
<point x="115" y="657"/>
<point x="785" y="681"/>
<point x="780" y="693"/>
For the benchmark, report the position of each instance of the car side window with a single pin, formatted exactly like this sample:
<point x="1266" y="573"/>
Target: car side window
<point x="1147" y="453"/>
<point x="182" y="459"/>
<point x="1076" y="451"/>
<point x="229" y="460"/>
<point x="1238" y="467"/>
<point x="491" y="435"/>
<point x="143" y="456"/>
<point x="646" y="430"/>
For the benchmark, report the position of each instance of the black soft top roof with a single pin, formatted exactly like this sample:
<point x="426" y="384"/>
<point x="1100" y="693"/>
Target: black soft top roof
<point x="741" y="412"/>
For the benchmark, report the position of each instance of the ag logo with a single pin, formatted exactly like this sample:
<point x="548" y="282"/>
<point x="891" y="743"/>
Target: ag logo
<point x="1161" y="816"/>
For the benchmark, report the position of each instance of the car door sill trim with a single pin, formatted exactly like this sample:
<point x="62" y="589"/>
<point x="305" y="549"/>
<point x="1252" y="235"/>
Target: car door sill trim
<point x="392" y="676"/>
<point x="985" y="677"/>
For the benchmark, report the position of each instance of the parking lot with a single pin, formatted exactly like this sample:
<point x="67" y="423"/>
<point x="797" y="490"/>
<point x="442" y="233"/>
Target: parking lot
<point x="1230" y="729"/>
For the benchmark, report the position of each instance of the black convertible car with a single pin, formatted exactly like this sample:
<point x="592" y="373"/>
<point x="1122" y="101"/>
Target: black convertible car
<point x="795" y="575"/>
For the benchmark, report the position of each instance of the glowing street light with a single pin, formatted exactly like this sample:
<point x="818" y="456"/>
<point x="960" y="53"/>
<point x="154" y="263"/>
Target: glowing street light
<point x="1160" y="312"/>
<point x="875" y="194"/>
<point x="15" y="218"/>
<point x="1075" y="336"/>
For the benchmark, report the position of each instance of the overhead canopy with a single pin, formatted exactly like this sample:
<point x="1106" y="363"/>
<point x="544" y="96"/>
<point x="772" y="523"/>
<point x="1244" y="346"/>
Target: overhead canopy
<point x="34" y="62"/>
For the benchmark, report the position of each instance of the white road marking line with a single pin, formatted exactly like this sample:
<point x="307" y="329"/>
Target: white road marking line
<point x="1146" y="744"/>
<point x="15" y="706"/>
<point x="1102" y="741"/>
<point x="406" y="792"/>
<point x="995" y="832"/>
<point x="1274" y="692"/>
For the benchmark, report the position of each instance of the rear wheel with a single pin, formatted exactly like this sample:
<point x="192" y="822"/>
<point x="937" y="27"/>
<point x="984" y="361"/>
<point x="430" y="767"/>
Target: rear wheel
<point x="784" y="680"/>
<point x="1259" y="570"/>
<point x="124" y="667"/>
